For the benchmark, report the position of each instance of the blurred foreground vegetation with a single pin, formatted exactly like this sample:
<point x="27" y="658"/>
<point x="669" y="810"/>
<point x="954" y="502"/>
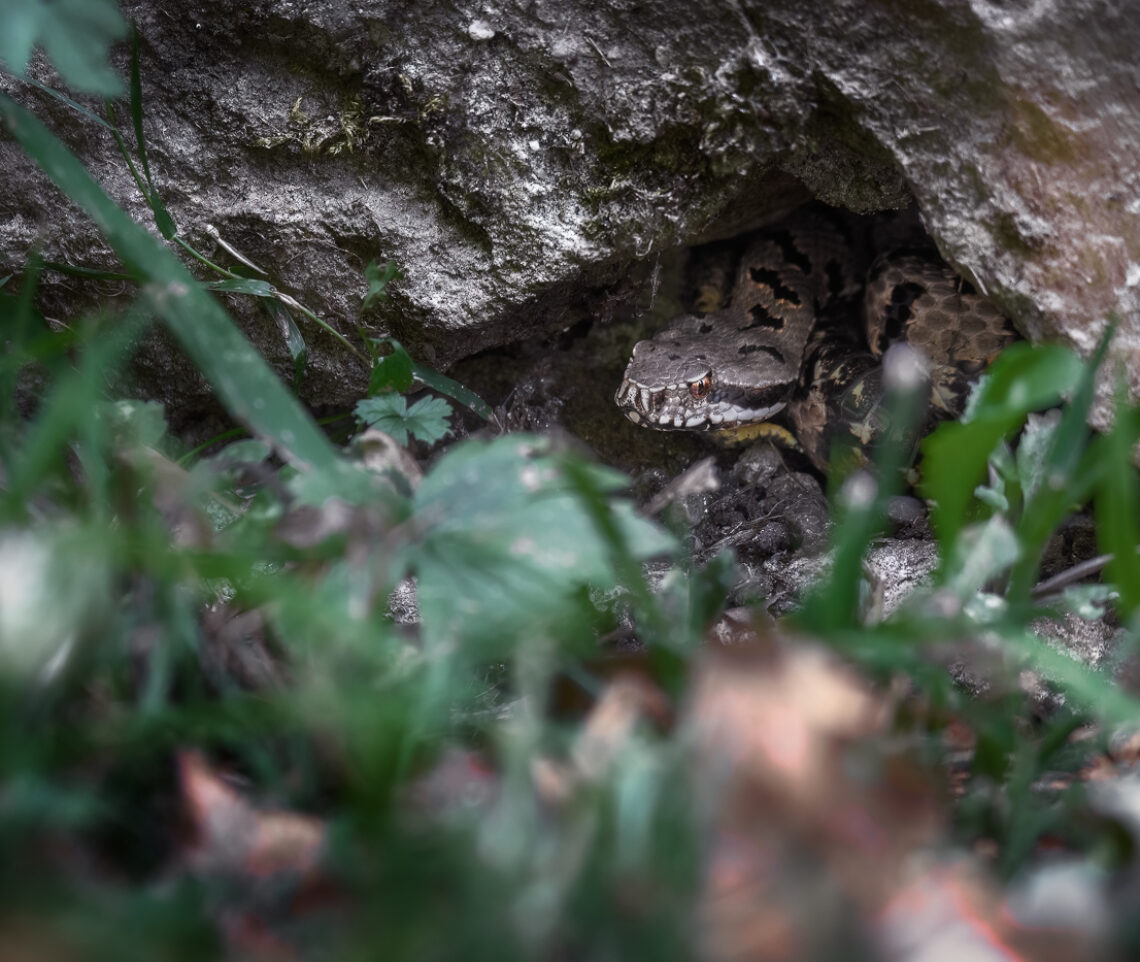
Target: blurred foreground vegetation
<point x="294" y="698"/>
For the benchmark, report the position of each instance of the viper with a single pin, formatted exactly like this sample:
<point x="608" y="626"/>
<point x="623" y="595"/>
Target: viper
<point x="785" y="343"/>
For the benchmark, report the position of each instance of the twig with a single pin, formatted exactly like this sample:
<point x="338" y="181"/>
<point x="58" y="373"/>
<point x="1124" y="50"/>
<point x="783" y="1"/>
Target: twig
<point x="1069" y="576"/>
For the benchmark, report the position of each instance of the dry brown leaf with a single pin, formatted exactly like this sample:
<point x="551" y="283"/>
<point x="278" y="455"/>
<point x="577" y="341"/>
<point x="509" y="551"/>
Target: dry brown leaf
<point x="34" y="940"/>
<point x="381" y="455"/>
<point x="272" y="862"/>
<point x="813" y="820"/>
<point x="231" y="835"/>
<point x="828" y="840"/>
<point x="628" y="700"/>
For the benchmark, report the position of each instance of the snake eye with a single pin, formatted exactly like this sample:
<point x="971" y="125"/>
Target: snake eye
<point x="700" y="389"/>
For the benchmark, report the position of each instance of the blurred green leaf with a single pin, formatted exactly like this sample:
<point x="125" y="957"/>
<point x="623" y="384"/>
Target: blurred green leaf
<point x="293" y="338"/>
<point x="1067" y="476"/>
<point x="1118" y="509"/>
<point x="1088" y="602"/>
<point x="1091" y="690"/>
<point x="353" y="484"/>
<point x="135" y="423"/>
<point x="393" y="372"/>
<point x="65" y="411"/>
<point x="76" y="35"/>
<point x="506" y="543"/>
<point x="32" y="803"/>
<point x="987" y="549"/>
<point x="1023" y="379"/>
<point x="378" y="280"/>
<point x="240" y="453"/>
<point x="56" y="594"/>
<point x="992" y="496"/>
<point x="242" y="285"/>
<point x="1033" y="447"/>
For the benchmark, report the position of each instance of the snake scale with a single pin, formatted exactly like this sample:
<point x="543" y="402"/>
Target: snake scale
<point x="786" y="341"/>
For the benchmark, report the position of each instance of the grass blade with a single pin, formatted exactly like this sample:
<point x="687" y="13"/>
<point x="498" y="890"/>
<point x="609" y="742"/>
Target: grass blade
<point x="1063" y="485"/>
<point x="453" y="389"/>
<point x="244" y="382"/>
<point x="1025" y="378"/>
<point x="1118" y="510"/>
<point x="162" y="218"/>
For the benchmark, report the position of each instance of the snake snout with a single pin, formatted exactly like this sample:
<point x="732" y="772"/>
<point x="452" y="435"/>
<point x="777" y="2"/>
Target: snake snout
<point x="634" y="399"/>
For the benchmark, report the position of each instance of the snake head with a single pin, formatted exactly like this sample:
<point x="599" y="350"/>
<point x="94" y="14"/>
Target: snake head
<point x="672" y="383"/>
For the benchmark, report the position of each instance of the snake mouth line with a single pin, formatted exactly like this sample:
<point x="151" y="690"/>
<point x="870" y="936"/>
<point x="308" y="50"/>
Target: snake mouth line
<point x="671" y="408"/>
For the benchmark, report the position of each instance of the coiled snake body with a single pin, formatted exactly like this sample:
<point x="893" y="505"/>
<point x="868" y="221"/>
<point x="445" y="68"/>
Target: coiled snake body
<point x="784" y="342"/>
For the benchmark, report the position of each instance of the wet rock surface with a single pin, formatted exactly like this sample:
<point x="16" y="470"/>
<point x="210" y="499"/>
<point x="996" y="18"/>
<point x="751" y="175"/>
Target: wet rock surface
<point x="515" y="157"/>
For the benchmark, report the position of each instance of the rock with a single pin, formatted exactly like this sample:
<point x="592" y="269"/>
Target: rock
<point x="512" y="156"/>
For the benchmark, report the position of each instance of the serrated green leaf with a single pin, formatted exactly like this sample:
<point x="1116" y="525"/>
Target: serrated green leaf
<point x="429" y="419"/>
<point x="398" y="372"/>
<point x="387" y="413"/>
